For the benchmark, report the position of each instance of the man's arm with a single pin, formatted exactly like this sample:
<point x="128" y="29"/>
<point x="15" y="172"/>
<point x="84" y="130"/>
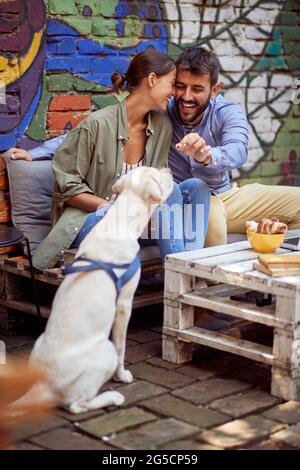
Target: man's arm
<point x="233" y="149"/>
<point x="45" y="151"/>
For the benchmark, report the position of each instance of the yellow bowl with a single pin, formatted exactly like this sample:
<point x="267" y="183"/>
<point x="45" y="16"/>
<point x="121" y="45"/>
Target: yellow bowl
<point x="264" y="243"/>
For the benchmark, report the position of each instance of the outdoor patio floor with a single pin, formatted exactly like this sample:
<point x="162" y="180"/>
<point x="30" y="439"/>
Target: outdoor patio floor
<point x="218" y="401"/>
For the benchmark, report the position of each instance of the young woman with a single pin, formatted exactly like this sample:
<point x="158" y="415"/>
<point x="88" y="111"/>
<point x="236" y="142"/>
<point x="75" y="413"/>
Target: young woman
<point x="111" y="142"/>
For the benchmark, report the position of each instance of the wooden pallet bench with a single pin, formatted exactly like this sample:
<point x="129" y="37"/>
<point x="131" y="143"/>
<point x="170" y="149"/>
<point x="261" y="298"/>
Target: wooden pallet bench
<point x="16" y="286"/>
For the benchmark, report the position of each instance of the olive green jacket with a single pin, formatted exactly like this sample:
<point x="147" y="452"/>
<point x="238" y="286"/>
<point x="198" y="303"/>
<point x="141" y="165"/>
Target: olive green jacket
<point x="90" y="161"/>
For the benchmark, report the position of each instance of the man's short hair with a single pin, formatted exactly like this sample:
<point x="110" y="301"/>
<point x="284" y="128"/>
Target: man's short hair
<point x="199" y="61"/>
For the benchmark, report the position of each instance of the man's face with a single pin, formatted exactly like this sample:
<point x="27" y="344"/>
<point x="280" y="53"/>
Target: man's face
<point x="192" y="95"/>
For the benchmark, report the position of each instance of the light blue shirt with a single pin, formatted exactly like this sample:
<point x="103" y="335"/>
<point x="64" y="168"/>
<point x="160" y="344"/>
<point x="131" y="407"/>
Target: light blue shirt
<point x="47" y="150"/>
<point x="224" y="127"/>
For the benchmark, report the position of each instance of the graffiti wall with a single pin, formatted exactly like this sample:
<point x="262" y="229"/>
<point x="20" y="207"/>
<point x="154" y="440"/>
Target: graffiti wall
<point x="56" y="58"/>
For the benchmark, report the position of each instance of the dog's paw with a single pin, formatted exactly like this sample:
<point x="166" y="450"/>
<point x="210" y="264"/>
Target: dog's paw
<point x="124" y="375"/>
<point x="76" y="408"/>
<point x="117" y="398"/>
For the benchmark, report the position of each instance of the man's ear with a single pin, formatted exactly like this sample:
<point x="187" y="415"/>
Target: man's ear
<point x="118" y="187"/>
<point x="215" y="90"/>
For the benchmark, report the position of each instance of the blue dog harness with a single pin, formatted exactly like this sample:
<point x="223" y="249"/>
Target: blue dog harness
<point x="130" y="270"/>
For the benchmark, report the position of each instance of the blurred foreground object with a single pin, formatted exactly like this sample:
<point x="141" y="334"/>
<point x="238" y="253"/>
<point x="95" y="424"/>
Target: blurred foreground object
<point x="16" y="378"/>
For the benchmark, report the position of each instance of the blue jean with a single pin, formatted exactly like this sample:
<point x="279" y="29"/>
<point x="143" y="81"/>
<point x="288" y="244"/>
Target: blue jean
<point x="180" y="223"/>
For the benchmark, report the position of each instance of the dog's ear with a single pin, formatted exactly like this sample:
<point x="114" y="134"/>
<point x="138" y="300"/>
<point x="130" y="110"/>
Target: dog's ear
<point x="153" y="191"/>
<point x="118" y="187"/>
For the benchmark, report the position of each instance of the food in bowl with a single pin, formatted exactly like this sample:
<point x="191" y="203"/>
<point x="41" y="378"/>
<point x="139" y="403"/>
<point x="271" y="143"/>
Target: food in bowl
<point x="267" y="235"/>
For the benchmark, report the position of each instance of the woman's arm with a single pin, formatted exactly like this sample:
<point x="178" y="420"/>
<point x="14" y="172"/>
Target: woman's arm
<point x="87" y="202"/>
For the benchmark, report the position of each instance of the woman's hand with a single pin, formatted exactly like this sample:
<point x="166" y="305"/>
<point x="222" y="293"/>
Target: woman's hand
<point x="20" y="154"/>
<point x="193" y="145"/>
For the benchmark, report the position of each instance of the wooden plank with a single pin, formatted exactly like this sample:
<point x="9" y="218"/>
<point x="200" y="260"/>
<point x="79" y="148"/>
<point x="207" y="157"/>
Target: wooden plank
<point x="222" y="290"/>
<point x="176" y="351"/>
<point x="263" y="315"/>
<point x="232" y="258"/>
<point x="290" y="284"/>
<point x="25" y="306"/>
<point x="151" y="298"/>
<point x="54" y="273"/>
<point x="18" y="262"/>
<point x="249" y="280"/>
<point x="22" y="273"/>
<point x="29" y="307"/>
<point x="229" y="259"/>
<point x="182" y="259"/>
<point x="244" y="348"/>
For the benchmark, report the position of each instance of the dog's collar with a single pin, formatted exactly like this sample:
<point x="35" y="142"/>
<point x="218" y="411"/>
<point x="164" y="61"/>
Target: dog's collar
<point x="130" y="269"/>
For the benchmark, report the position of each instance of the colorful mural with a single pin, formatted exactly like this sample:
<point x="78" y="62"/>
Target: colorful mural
<point x="56" y="58"/>
<point x="22" y="55"/>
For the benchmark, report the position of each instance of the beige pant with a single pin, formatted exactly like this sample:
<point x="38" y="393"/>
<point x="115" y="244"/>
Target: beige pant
<point x="230" y="210"/>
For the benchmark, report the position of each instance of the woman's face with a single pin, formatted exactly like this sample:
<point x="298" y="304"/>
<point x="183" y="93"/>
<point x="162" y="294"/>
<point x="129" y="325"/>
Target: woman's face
<point x="163" y="90"/>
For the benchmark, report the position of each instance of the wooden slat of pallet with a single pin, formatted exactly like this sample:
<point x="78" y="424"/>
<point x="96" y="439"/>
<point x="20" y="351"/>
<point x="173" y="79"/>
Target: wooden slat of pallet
<point x="263" y="315"/>
<point x="150" y="298"/>
<point x="25" y="306"/>
<point x="23" y="273"/>
<point x="182" y="259"/>
<point x="242" y="276"/>
<point x="18" y="262"/>
<point x="294" y="281"/>
<point x="231" y="258"/>
<point x="239" y="269"/>
<point x="54" y="273"/>
<point x="222" y="290"/>
<point x="244" y="348"/>
<point x="221" y="261"/>
<point x="29" y="307"/>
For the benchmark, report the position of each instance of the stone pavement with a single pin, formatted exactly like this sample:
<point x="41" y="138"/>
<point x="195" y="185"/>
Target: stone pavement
<point x="218" y="401"/>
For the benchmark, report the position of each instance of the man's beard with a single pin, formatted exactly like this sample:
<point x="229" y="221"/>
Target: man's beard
<point x="195" y="117"/>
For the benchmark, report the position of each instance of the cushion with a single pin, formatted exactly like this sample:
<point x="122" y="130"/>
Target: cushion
<point x="31" y="187"/>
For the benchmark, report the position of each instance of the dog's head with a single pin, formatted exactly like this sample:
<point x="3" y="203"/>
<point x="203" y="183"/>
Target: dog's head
<point x="153" y="185"/>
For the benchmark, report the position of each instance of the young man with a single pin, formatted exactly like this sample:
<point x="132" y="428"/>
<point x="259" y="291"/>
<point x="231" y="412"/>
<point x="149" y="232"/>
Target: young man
<point x="210" y="138"/>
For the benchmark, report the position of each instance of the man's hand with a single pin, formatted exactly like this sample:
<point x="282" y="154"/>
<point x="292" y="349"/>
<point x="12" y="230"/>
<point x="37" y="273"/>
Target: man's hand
<point x="19" y="154"/>
<point x="194" y="146"/>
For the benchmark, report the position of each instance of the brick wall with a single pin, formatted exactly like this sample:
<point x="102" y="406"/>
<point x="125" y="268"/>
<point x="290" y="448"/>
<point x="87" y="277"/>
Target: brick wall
<point x="56" y="58"/>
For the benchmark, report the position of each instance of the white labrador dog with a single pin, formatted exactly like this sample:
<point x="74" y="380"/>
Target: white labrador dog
<point x="75" y="351"/>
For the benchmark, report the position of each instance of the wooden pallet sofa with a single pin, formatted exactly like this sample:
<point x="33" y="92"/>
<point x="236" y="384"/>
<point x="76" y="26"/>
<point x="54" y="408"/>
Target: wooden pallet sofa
<point x="16" y="293"/>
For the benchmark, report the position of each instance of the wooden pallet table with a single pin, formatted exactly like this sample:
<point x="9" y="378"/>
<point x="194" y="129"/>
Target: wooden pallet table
<point x="231" y="266"/>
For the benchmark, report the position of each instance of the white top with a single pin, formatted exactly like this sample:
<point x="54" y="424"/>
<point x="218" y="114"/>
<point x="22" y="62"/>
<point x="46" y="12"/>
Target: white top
<point x="127" y="167"/>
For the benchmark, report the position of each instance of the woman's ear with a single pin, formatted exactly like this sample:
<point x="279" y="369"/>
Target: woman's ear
<point x="118" y="187"/>
<point x="152" y="79"/>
